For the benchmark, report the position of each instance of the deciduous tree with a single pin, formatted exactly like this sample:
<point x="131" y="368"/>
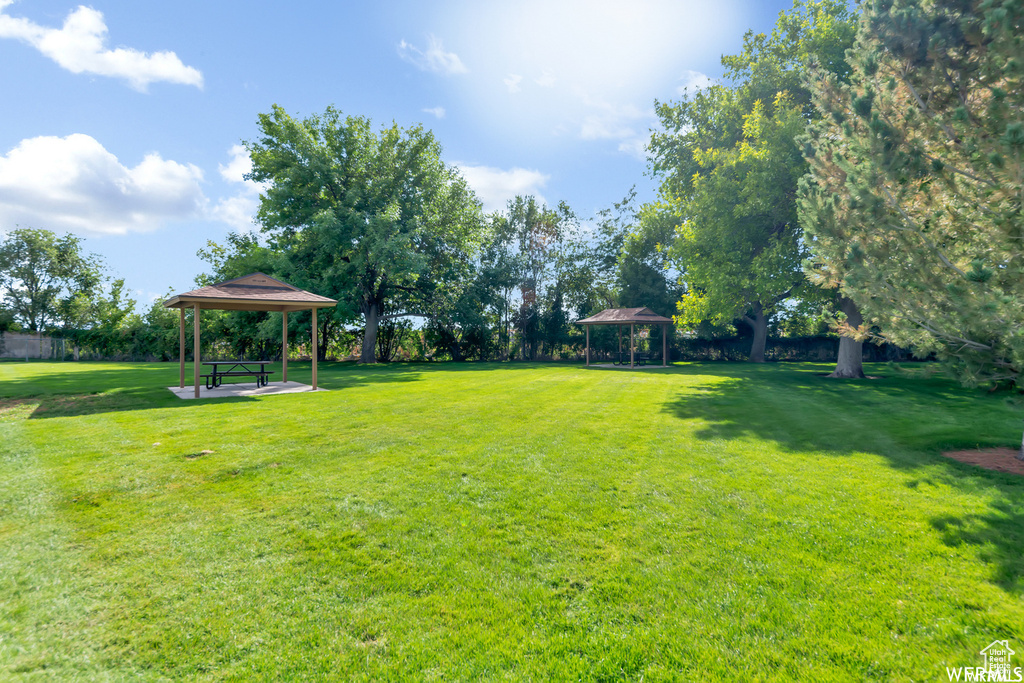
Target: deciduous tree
<point x="46" y="280"/>
<point x="376" y="217"/>
<point x="729" y="166"/>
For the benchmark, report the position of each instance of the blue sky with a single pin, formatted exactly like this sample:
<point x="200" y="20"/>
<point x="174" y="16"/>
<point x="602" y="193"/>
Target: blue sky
<point x="122" y="120"/>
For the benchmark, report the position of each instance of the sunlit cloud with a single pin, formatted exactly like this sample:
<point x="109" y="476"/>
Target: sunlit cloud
<point x="584" y="69"/>
<point x="434" y="58"/>
<point x="692" y="82"/>
<point x="74" y="184"/>
<point x="495" y="186"/>
<point x="546" y="80"/>
<point x="437" y="112"/>
<point x="80" y="47"/>
<point x="238" y="211"/>
<point x="512" y="82"/>
<point x="635" y="147"/>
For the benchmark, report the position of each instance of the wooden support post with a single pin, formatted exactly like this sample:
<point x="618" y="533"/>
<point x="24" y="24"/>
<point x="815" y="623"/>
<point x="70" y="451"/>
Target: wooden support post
<point x="632" y="345"/>
<point x="619" y="358"/>
<point x="181" y="349"/>
<point x="195" y="349"/>
<point x="588" y="344"/>
<point x="664" y="346"/>
<point x="315" y="354"/>
<point x="284" y="347"/>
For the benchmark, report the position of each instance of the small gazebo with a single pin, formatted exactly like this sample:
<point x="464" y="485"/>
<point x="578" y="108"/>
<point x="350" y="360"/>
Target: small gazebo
<point x="631" y="317"/>
<point x="255" y="292"/>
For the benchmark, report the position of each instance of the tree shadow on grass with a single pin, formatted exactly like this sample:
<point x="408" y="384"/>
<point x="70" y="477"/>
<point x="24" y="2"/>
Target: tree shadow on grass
<point x="907" y="420"/>
<point x="800" y="408"/>
<point x="998" y="534"/>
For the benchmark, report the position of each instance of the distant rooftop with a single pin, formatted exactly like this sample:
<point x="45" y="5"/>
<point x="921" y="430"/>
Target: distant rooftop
<point x="625" y="316"/>
<point x="255" y="292"/>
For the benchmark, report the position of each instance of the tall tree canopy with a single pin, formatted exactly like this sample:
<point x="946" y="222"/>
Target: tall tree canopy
<point x="375" y="220"/>
<point x="730" y="165"/>
<point x="46" y="280"/>
<point x="914" y="199"/>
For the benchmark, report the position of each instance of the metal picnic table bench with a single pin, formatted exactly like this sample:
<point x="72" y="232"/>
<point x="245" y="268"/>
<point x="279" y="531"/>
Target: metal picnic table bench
<point x="622" y="358"/>
<point x="237" y="368"/>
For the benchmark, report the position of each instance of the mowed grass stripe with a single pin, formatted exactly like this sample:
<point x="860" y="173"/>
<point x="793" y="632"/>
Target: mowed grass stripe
<point x="528" y="521"/>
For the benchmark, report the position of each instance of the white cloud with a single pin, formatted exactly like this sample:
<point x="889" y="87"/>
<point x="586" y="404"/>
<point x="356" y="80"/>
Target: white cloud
<point x="611" y="122"/>
<point x="234" y="171"/>
<point x="635" y="147"/>
<point x="546" y="80"/>
<point x="589" y="68"/>
<point x="434" y="58"/>
<point x="693" y="81"/>
<point x="238" y="211"/>
<point x="74" y="184"/>
<point x="79" y="47"/>
<point x="512" y="82"/>
<point x="439" y="112"/>
<point x="495" y="186"/>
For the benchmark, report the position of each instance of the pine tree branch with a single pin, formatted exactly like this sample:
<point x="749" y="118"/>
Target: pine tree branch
<point x="924" y="107"/>
<point x="968" y="174"/>
<point x="931" y="245"/>
<point x="935" y="331"/>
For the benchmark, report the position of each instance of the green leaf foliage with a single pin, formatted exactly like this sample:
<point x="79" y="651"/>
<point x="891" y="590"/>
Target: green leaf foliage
<point x="376" y="219"/>
<point x="729" y="166"/>
<point x="47" y="281"/>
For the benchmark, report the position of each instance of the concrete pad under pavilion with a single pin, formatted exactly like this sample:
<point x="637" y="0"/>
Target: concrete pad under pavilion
<point x="244" y="389"/>
<point x="254" y="292"/>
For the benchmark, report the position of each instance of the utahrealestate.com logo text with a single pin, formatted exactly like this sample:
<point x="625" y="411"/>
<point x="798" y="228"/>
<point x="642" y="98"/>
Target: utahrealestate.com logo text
<point x="997" y="667"/>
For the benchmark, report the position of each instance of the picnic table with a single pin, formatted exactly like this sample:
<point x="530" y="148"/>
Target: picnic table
<point x="622" y="358"/>
<point x="236" y="368"/>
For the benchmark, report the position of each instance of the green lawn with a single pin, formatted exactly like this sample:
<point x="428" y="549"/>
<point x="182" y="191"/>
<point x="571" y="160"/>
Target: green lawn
<point x="504" y="521"/>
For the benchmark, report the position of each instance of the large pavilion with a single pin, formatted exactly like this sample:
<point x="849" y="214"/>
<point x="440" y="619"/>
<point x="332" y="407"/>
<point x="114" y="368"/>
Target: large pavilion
<point x="255" y="292"/>
<point x="631" y="317"/>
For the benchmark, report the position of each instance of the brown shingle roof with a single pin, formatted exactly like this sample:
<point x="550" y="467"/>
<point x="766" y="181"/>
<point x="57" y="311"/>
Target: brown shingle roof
<point x="255" y="292"/>
<point x="625" y="316"/>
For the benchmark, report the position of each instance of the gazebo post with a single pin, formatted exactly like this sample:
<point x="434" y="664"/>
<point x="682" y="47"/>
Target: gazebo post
<point x="664" y="346"/>
<point x="587" y="327"/>
<point x="632" y="345"/>
<point x="284" y="347"/>
<point x="619" y="328"/>
<point x="315" y="354"/>
<point x="195" y="349"/>
<point x="181" y="349"/>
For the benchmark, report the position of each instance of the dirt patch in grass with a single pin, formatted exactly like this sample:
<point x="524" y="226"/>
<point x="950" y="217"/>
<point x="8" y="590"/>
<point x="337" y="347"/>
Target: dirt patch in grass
<point x="998" y="459"/>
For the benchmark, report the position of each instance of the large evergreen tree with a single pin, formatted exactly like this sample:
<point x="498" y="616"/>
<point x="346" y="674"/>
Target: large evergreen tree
<point x="914" y="200"/>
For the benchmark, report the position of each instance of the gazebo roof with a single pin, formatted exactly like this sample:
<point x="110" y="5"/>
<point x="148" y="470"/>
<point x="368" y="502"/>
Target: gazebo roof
<point x="625" y="316"/>
<point x="255" y="292"/>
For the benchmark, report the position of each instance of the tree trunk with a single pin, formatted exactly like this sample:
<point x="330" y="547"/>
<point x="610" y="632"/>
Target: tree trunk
<point x="1020" y="453"/>
<point x="760" y="324"/>
<point x="372" y="314"/>
<point x="850" y="363"/>
<point x="323" y="338"/>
